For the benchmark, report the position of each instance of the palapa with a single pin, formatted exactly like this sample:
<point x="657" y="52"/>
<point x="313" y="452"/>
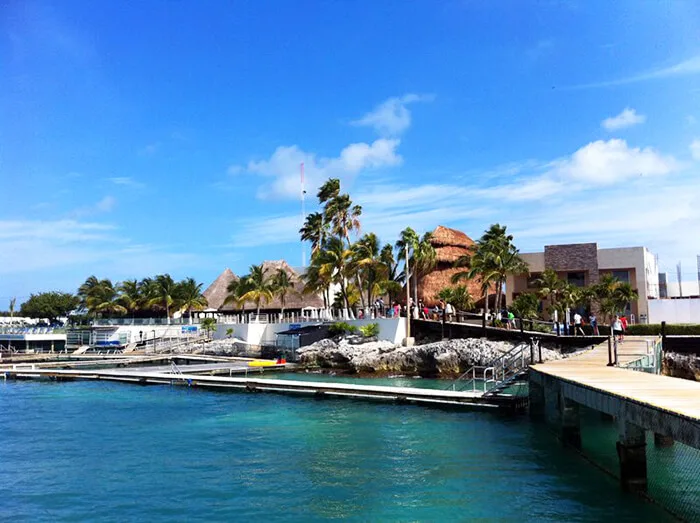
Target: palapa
<point x="450" y="245"/>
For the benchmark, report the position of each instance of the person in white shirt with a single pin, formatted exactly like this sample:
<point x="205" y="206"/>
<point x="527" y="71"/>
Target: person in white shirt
<point x="577" y="325"/>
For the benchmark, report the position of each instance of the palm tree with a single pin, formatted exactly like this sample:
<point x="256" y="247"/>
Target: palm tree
<point x="343" y="216"/>
<point x="550" y="288"/>
<point x="334" y="260"/>
<point x="254" y="287"/>
<point x="477" y="264"/>
<point x="316" y="280"/>
<point x="190" y="297"/>
<point x="165" y="293"/>
<point x="315" y="230"/>
<point x="458" y="296"/>
<point x="526" y="306"/>
<point x="424" y="260"/>
<point x="281" y="285"/>
<point x="371" y="270"/>
<point x="208" y="325"/>
<point x="393" y="283"/>
<point x="406" y="246"/>
<point x="104" y="298"/>
<point x="130" y="295"/>
<point x="88" y="289"/>
<point x="612" y="295"/>
<point x="329" y="190"/>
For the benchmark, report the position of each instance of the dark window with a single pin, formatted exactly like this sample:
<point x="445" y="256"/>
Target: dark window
<point x="623" y="276"/>
<point x="532" y="279"/>
<point x="577" y="279"/>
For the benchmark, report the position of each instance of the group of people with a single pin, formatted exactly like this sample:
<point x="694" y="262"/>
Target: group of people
<point x="420" y="310"/>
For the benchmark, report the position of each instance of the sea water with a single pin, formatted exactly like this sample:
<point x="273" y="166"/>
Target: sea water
<point x="95" y="451"/>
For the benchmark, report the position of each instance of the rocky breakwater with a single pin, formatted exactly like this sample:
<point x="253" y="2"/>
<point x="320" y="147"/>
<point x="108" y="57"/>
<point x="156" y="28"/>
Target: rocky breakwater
<point x="444" y="358"/>
<point x="686" y="366"/>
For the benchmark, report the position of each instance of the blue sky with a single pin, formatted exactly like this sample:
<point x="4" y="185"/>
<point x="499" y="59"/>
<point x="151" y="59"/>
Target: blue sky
<point x="166" y="136"/>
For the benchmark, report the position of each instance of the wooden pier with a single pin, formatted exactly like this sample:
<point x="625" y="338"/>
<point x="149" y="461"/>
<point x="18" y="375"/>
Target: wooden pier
<point x="637" y="401"/>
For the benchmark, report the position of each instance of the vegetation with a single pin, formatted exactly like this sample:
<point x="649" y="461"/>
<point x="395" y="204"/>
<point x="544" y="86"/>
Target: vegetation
<point x="491" y="259"/>
<point x="229" y="332"/>
<point x="654" y="329"/>
<point x="526" y="306"/>
<point x="458" y="296"/>
<point x="370" y="330"/>
<point x="208" y="325"/>
<point x="50" y="305"/>
<point x="341" y="328"/>
<point x="146" y="297"/>
<point x="254" y="287"/>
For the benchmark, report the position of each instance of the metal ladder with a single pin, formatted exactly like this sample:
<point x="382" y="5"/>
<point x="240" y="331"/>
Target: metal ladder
<point x="498" y="374"/>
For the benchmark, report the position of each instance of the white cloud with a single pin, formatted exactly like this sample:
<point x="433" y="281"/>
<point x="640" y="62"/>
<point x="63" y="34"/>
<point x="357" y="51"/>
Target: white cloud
<point x="392" y="117"/>
<point x="284" y="166"/>
<point x="627" y="118"/>
<point x="684" y="68"/>
<point x="104" y="205"/>
<point x="695" y="149"/>
<point x="125" y="180"/>
<point x="541" y="199"/>
<point x="612" y="161"/>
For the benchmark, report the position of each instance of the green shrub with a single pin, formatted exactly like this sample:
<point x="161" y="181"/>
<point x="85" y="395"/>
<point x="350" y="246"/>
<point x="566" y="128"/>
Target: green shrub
<point x="654" y="329"/>
<point x="341" y="328"/>
<point x="369" y="330"/>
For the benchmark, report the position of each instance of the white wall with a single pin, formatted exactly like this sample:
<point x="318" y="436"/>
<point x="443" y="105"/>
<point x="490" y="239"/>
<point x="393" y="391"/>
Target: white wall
<point x="674" y="311"/>
<point x="390" y="329"/>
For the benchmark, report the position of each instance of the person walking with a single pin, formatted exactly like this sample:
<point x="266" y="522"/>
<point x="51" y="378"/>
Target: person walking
<point x="617" y="328"/>
<point x="577" y="325"/>
<point x="594" y="323"/>
<point x="623" y="321"/>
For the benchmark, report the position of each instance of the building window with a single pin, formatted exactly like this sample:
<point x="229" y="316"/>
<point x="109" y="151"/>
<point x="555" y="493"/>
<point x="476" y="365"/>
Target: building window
<point x="532" y="279"/>
<point x="577" y="279"/>
<point x="623" y="276"/>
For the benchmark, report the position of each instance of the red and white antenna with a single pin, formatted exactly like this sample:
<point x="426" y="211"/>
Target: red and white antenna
<point x="303" y="214"/>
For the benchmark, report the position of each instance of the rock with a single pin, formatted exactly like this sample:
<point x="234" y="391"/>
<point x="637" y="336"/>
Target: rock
<point x="447" y="357"/>
<point x="686" y="366"/>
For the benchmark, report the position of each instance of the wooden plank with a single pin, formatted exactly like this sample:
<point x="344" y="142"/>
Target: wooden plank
<point x="673" y="395"/>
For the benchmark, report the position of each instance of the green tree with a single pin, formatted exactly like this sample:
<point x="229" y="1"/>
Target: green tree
<point x="550" y="287"/>
<point x="130" y="295"/>
<point x="189" y="296"/>
<point x="612" y="296"/>
<point x="526" y="306"/>
<point x="51" y="305"/>
<point x="458" y="296"/>
<point x="476" y="264"/>
<point x="329" y="190"/>
<point x="369" y="266"/>
<point x="393" y="283"/>
<point x="254" y="287"/>
<point x="164" y="293"/>
<point x="208" y="325"/>
<point x="104" y="298"/>
<point x="282" y="285"/>
<point x="315" y="230"/>
<point x="334" y="261"/>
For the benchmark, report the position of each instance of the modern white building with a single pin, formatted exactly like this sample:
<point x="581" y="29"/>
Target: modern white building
<point x="583" y="264"/>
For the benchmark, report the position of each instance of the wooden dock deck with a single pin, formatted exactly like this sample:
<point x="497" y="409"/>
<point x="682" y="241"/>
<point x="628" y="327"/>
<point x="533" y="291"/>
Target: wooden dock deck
<point x="252" y="384"/>
<point x="590" y="370"/>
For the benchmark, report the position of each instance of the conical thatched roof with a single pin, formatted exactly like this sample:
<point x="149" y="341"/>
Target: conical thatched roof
<point x="216" y="292"/>
<point x="449" y="245"/>
<point x="295" y="298"/>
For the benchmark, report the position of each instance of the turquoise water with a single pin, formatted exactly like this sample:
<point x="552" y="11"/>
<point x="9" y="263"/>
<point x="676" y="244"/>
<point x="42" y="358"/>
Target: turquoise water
<point x="111" y="452"/>
<point x="420" y="383"/>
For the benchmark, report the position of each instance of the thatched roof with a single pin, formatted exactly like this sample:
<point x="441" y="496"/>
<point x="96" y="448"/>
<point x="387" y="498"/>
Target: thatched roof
<point x="444" y="236"/>
<point x="216" y="292"/>
<point x="449" y="245"/>
<point x="295" y="298"/>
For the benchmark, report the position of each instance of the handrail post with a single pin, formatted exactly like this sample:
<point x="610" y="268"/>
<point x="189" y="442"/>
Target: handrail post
<point x="610" y="357"/>
<point x="663" y="336"/>
<point x="532" y="352"/>
<point x="483" y="324"/>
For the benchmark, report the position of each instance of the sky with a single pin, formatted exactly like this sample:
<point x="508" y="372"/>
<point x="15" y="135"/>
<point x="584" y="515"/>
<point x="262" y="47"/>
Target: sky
<point x="159" y="136"/>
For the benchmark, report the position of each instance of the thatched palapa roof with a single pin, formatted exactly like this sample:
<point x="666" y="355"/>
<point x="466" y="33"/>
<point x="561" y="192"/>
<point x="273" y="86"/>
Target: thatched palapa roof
<point x="449" y="245"/>
<point x="216" y="292"/>
<point x="295" y="298"/>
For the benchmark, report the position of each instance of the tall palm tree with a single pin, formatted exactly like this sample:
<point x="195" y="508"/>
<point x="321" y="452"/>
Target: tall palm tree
<point x="612" y="295"/>
<point x="550" y="287"/>
<point x="406" y="246"/>
<point x="317" y="281"/>
<point x="477" y="264"/>
<point x="104" y="299"/>
<point x="13" y="301"/>
<point x="424" y="260"/>
<point x="393" y="283"/>
<point x="334" y="260"/>
<point x="314" y="230"/>
<point x="367" y="261"/>
<point x="255" y="287"/>
<point x="164" y="293"/>
<point x="282" y="284"/>
<point x="190" y="297"/>
<point x="329" y="190"/>
<point x="343" y="216"/>
<point x="130" y="295"/>
<point x="87" y="289"/>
